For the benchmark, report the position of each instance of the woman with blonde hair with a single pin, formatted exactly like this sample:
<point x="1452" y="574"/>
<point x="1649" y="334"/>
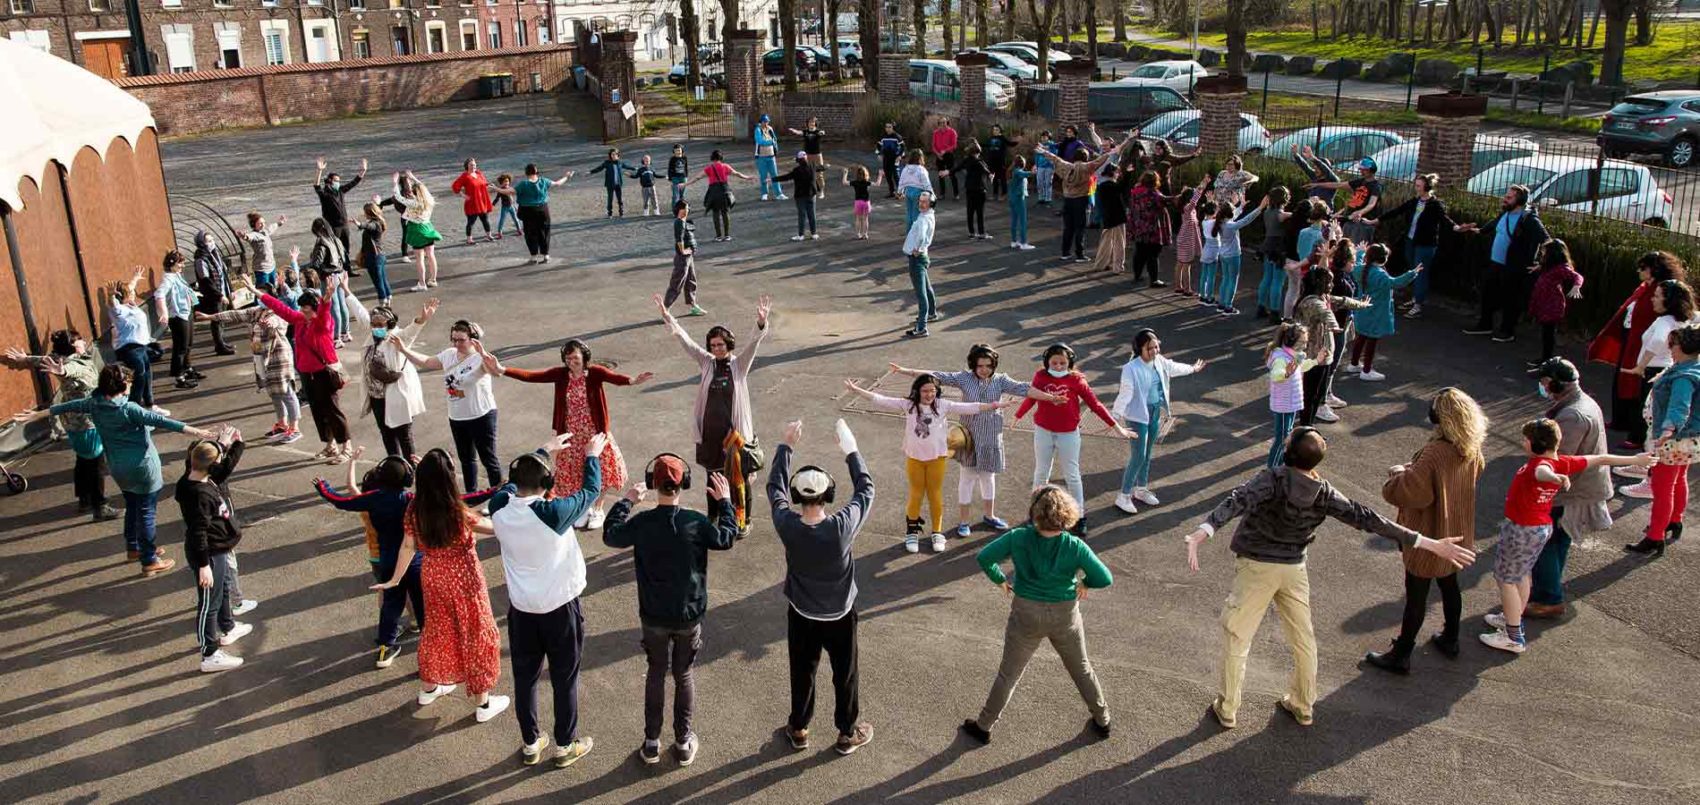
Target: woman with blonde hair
<point x="1436" y="494"/>
<point x="416" y="229"/>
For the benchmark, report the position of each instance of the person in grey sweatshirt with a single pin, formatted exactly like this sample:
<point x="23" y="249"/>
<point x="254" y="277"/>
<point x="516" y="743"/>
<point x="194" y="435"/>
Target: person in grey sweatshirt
<point x="820" y="583"/>
<point x="1282" y="508"/>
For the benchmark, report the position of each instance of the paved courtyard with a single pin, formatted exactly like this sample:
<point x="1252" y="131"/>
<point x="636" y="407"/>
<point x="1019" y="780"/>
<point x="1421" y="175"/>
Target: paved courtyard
<point x="102" y="701"/>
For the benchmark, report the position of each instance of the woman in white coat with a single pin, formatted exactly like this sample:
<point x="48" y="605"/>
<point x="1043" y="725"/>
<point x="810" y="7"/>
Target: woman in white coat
<point x="1142" y="403"/>
<point x="393" y="394"/>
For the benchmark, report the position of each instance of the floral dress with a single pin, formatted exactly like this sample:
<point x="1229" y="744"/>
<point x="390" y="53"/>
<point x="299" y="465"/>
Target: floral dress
<point x="1188" y="241"/>
<point x="569" y="462"/>
<point x="460" y="643"/>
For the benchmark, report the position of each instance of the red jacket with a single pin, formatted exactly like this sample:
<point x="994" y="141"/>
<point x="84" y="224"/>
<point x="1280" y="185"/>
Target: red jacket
<point x="1063" y="417"/>
<point x="476" y="189"/>
<point x="315" y="340"/>
<point x="594" y="377"/>
<point x="1620" y="346"/>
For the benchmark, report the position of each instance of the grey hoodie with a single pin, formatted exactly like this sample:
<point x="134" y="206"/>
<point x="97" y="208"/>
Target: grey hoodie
<point x="1282" y="509"/>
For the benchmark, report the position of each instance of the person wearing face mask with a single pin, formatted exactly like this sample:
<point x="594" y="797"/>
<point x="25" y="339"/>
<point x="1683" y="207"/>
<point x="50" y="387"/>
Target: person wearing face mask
<point x="1583" y="507"/>
<point x="981" y="383"/>
<point x="78" y="369"/>
<point x="393" y="393"/>
<point x="320" y="366"/>
<point x="722" y="423"/>
<point x="212" y="279"/>
<point x="1143" y="403"/>
<point x="926" y="448"/>
<point x="581" y="408"/>
<point x="1435" y="493"/>
<point x="1056" y="426"/>
<point x="332" y="193"/>
<point x="1618" y="344"/>
<point x="274" y="364"/>
<point x="471" y="396"/>
<point x="1675" y="306"/>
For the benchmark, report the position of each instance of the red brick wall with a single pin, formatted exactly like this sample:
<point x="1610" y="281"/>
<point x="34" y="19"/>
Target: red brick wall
<point x="187" y="103"/>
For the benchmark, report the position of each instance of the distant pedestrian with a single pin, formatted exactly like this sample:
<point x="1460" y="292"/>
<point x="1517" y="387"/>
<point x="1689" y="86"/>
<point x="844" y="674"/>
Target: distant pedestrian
<point x="262" y="259"/>
<point x="678" y="172"/>
<point x="944" y="142"/>
<point x="802" y="177"/>
<point x="613" y="171"/>
<point x="645" y="174"/>
<point x="767" y="159"/>
<point x="812" y="135"/>
<point x="417" y="232"/>
<point x="1017" y="190"/>
<point x="1284" y="365"/>
<point x="890" y="150"/>
<point x="333" y="194"/>
<point x="1517" y="235"/>
<point x="684" y="280"/>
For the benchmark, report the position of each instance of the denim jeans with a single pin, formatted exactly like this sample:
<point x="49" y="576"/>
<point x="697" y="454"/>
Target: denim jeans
<point x="138" y="525"/>
<point x="678" y="190"/>
<point x="1137" y="473"/>
<point x="1044" y="176"/>
<point x="1424" y="256"/>
<point x="1207" y="280"/>
<point x="805" y="212"/>
<point x="1017" y="219"/>
<point x="1278" y="445"/>
<point x="926" y="304"/>
<point x="911" y="206"/>
<point x="339" y="312"/>
<point x="1065" y="447"/>
<point x="766" y="169"/>
<point x="507" y="214"/>
<point x="380" y="276"/>
<point x="1227" y="279"/>
<point x="616" y="194"/>
<point x="1273" y="286"/>
<point x="135" y="356"/>
<point x="1547" y="579"/>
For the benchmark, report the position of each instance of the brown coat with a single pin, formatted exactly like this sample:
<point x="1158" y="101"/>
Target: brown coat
<point x="1436" y="496"/>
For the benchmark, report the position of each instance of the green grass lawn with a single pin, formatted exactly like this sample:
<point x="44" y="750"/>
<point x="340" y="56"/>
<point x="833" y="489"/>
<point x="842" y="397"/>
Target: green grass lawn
<point x="1354" y="112"/>
<point x="1674" y="54"/>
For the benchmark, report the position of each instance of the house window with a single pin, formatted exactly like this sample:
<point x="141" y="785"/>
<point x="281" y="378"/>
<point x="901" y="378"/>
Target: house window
<point x="23" y="6"/>
<point x="436" y="41"/>
<point x="180" y="50"/>
<point x="35" y="39"/>
<point x="356" y="5"/>
<point x="230" y="47"/>
<point x="398" y="3"/>
<point x="221" y="3"/>
<point x="542" y="32"/>
<point x="401" y="40"/>
<point x="496" y="37"/>
<point x="100" y="6"/>
<point x="433" y="3"/>
<point x="274" y="34"/>
<point x="519" y="33"/>
<point x="468" y="35"/>
<point x="362" y="43"/>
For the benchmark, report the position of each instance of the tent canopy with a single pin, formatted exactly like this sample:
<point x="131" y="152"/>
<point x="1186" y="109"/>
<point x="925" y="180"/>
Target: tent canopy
<point x="54" y="108"/>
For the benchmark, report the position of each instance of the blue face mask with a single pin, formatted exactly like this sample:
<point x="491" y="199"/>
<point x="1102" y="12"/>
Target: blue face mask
<point x="1057" y="372"/>
<point x="334" y="186"/>
<point x="379" y="333"/>
<point x="1541" y="389"/>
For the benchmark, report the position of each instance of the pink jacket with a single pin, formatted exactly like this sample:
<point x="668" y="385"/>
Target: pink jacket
<point x="1550" y="297"/>
<point x="944" y="140"/>
<point x="315" y="339"/>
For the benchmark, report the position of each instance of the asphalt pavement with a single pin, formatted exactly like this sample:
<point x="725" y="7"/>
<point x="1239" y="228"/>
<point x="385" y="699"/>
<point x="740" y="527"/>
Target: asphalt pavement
<point x="103" y="701"/>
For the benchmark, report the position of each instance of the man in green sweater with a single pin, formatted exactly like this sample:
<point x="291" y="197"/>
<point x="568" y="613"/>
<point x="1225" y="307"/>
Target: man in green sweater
<point x="1053" y="571"/>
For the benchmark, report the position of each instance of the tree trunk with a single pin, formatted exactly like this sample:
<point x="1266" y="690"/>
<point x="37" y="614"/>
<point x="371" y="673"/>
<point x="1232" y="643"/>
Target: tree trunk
<point x="1046" y="24"/>
<point x="1092" y="29"/>
<point x="788" y="41"/>
<point x="919" y="7"/>
<point x="1236" y="37"/>
<point x="982" y="36"/>
<point x="1644" y="22"/>
<point x="1315" y="22"/>
<point x="1012" y="9"/>
<point x="1120" y="20"/>
<point x="729" y="8"/>
<point x="1617" y="14"/>
<point x="944" y="23"/>
<point x="868" y="33"/>
<point x="829" y="29"/>
<point x="688" y="25"/>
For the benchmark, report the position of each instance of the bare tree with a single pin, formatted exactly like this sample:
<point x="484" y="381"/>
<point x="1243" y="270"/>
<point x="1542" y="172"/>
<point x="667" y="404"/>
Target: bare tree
<point x="1012" y="9"/>
<point x="1236" y="37"/>
<point x="944" y="22"/>
<point x="688" y="26"/>
<point x="919" y="9"/>
<point x="1119" y="19"/>
<point x="868" y="32"/>
<point x="1091" y="16"/>
<point x="730" y="9"/>
<point x="1044" y="24"/>
<point x="788" y="41"/>
<point x="830" y="29"/>
<point x="982" y="33"/>
<point x="1617" y="13"/>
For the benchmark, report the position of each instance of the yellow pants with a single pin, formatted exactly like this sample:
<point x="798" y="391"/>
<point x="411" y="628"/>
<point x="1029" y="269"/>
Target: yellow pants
<point x="927" y="478"/>
<point x="1256" y="584"/>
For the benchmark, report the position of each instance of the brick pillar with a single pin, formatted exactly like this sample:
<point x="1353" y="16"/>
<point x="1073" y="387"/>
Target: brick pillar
<point x="894" y="77"/>
<point x="973" y="104"/>
<point x="619" y="86"/>
<point x="743" y="81"/>
<point x="1450" y="122"/>
<point x="1075" y="77"/>
<point x="1219" y="102"/>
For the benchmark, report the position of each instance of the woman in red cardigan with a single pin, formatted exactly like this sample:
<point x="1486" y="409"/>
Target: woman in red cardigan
<point x="1056" y="426"/>
<point x="1619" y="342"/>
<point x="471" y="186"/>
<point x="581" y="408"/>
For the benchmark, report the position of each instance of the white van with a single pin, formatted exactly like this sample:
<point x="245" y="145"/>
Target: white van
<point x="941" y="80"/>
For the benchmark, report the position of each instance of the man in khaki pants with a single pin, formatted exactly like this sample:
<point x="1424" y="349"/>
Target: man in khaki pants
<point x="1282" y="508"/>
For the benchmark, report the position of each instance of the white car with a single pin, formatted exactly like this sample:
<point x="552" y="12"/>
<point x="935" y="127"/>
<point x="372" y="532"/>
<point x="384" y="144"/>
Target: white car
<point x="1400" y="161"/>
<point x="1055" y="54"/>
<point x="1622" y="190"/>
<point x="850" y="51"/>
<point x="1176" y="75"/>
<point x="941" y="80"/>
<point x="1181" y="128"/>
<point x="1011" y="67"/>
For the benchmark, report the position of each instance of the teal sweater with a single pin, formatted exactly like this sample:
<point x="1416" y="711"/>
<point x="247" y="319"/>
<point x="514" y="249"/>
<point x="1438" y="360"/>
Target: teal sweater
<point x="1045" y="567"/>
<point x="125" y="429"/>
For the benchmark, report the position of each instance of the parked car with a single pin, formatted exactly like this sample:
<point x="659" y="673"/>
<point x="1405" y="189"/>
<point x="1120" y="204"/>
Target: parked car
<point x="1340" y="146"/>
<point x="1666" y="122"/>
<point x="905" y="43"/>
<point x="1011" y="67"/>
<point x="941" y="80"/>
<point x="1054" y="55"/>
<point x="850" y="50"/>
<point x="1110" y="104"/>
<point x="1400" y="161"/>
<point x="713" y="73"/>
<point x="773" y="61"/>
<point x="1176" y="75"/>
<point x="1624" y="190"/>
<point x="1181" y="128"/>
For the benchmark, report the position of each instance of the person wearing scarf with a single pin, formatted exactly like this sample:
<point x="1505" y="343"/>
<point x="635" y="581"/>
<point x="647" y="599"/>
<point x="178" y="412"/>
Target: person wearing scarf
<point x="212" y="280"/>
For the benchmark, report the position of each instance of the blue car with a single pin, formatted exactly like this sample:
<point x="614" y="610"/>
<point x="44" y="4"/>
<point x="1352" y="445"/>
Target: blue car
<point x="1340" y="146"/>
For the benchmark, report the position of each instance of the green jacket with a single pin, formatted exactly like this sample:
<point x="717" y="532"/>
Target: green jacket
<point x="126" y="432"/>
<point x="1045" y="567"/>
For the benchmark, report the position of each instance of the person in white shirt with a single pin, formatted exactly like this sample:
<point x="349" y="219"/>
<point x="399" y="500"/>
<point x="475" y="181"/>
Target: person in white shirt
<point x="545" y="572"/>
<point x="1674" y="301"/>
<point x="926" y="445"/>
<point x="1143" y="403"/>
<point x="466" y="372"/>
<point x="920" y="239"/>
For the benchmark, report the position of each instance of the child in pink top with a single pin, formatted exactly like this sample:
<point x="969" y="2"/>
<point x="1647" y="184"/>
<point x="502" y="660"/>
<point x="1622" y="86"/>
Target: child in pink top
<point x="1556" y="282"/>
<point x="1286" y="366"/>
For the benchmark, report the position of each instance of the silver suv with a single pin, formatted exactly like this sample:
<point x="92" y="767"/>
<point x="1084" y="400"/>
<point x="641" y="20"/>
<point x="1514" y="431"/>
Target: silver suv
<point x="1665" y="122"/>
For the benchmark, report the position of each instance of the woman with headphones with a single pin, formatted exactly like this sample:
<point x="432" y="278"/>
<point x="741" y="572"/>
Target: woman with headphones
<point x="466" y="372"/>
<point x="1056" y="425"/>
<point x="1436" y="494"/>
<point x="1143" y="403"/>
<point x="581" y="408"/>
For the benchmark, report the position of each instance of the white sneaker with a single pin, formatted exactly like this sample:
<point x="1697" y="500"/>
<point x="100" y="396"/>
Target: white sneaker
<point x="1640" y="491"/>
<point x="219" y="661"/>
<point x="1372" y="376"/>
<point x="1351" y="369"/>
<point x="1014" y="245"/>
<point x="1125" y="503"/>
<point x="1503" y="642"/>
<point x="407" y="258"/>
<point x="530" y="754"/>
<point x="814" y="236"/>
<point x="493" y="707"/>
<point x="596" y="518"/>
<point x="938" y="543"/>
<point x="428" y="696"/>
<point x="419" y="286"/>
<point x="783" y="197"/>
<point x="687" y="751"/>
<point x="796" y="237"/>
<point x="1630" y="472"/>
<point x="1335" y="402"/>
<point x="236" y="633"/>
<point x="246" y="606"/>
<point x="543" y="259"/>
<point x="1144" y="496"/>
<point x="764" y="197"/>
<point x="912" y="544"/>
<point x="1027" y="247"/>
<point x="583" y="520"/>
<point x="1495" y="619"/>
<point x="1326" y="413"/>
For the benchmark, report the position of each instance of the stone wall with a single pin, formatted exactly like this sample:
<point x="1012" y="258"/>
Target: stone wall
<point x="188" y="103"/>
<point x="837" y="111"/>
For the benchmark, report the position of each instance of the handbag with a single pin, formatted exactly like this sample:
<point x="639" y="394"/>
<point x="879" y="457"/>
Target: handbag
<point x="753" y="458"/>
<point x="338" y="376"/>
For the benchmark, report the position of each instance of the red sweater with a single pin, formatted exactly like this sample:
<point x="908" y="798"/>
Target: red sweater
<point x="476" y="189"/>
<point x="1063" y="417"/>
<point x="594" y="377"/>
<point x="315" y="338"/>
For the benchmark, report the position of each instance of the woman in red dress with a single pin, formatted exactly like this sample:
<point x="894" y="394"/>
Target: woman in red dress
<point x="475" y="189"/>
<point x="581" y="408"/>
<point x="460" y="643"/>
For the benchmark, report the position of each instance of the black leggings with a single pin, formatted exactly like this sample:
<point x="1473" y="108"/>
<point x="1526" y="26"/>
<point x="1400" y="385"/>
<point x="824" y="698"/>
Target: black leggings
<point x="946" y="163"/>
<point x="182" y="338"/>
<point x="398" y="441"/>
<point x="534" y="219"/>
<point x="1549" y="339"/>
<point x="1000" y="183"/>
<point x="1145" y="259"/>
<point x="1416" y="607"/>
<point x="1316" y="390"/>
<point x="722" y="221"/>
<point x="475" y="443"/>
<point x="483" y="218"/>
<point x="88" y="479"/>
<point x="976" y="212"/>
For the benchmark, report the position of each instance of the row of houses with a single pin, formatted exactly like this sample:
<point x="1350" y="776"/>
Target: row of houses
<point x="191" y="35"/>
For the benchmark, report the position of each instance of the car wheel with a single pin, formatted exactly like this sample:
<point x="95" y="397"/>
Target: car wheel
<point x="1681" y="152"/>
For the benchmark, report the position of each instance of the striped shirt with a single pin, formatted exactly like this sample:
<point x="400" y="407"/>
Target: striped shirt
<point x="986" y="427"/>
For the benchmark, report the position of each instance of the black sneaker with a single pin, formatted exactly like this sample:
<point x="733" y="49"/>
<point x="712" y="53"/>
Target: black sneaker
<point x="1103" y="729"/>
<point x="194" y="374"/>
<point x="650" y="755"/>
<point x="972" y="729"/>
<point x="185" y="383"/>
<point x="1081" y="258"/>
<point x="1478" y="331"/>
<point x="106" y="512"/>
<point x="914" y="333"/>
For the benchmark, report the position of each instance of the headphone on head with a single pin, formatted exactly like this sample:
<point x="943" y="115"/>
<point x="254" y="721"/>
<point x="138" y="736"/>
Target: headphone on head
<point x="547" y="482"/>
<point x="649" y="471"/>
<point x="406" y="469"/>
<point x="831" y="483"/>
<point x="1062" y="349"/>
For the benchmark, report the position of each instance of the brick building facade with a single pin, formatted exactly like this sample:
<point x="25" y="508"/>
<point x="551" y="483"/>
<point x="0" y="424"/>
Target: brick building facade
<point x="194" y="35"/>
<point x="517" y="23"/>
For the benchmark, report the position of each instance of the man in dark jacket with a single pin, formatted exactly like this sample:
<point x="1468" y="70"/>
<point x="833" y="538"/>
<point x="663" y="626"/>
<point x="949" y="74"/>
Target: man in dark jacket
<point x="332" y="206"/>
<point x="1282" y="508"/>
<point x="670" y="546"/>
<point x="210" y="533"/>
<point x="1517" y="236"/>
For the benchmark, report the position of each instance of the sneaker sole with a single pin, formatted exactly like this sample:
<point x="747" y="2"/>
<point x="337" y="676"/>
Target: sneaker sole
<point x="851" y="749"/>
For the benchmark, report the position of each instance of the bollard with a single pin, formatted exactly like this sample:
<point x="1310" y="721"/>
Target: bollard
<point x="1541" y="87"/>
<point x="1516" y="89"/>
<point x="1339" y="79"/>
<point x="1411" y="82"/>
<point x="1569" y="95"/>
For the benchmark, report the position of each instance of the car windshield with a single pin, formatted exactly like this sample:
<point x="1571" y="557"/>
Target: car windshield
<point x="1498" y="179"/>
<point x="1150" y="71"/>
<point x="1638" y="106"/>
